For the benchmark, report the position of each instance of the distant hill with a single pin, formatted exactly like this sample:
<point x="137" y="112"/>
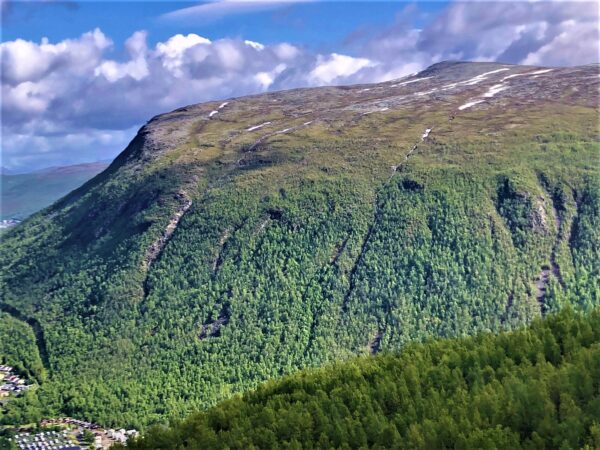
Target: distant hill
<point x="26" y="193"/>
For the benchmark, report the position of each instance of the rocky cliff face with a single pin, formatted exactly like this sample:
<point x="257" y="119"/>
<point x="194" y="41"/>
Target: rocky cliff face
<point x="235" y="241"/>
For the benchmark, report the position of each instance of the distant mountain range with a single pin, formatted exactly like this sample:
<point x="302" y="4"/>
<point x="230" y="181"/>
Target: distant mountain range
<point x="26" y="193"/>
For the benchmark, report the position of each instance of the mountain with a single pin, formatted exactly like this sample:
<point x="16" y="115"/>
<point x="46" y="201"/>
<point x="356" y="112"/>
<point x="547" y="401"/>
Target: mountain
<point x="233" y="242"/>
<point x="515" y="390"/>
<point x="26" y="193"/>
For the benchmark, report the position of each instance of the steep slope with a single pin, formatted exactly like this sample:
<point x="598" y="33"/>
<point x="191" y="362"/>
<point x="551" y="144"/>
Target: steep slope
<point x="237" y="241"/>
<point x="535" y="388"/>
<point x="26" y="193"/>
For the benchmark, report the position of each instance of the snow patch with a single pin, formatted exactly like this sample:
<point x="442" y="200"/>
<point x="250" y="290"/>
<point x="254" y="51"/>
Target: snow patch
<point x="426" y="92"/>
<point x="482" y="77"/>
<point x="514" y="75"/>
<point x="410" y="81"/>
<point x="494" y="90"/>
<point x="449" y="86"/>
<point x="469" y="104"/>
<point x="377" y="110"/>
<point x="223" y="105"/>
<point x="539" y="72"/>
<point x="212" y="113"/>
<point x="424" y="136"/>
<point x="256" y="127"/>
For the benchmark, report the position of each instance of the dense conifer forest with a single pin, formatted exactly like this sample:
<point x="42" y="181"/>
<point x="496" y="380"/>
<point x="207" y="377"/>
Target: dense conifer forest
<point x="534" y="388"/>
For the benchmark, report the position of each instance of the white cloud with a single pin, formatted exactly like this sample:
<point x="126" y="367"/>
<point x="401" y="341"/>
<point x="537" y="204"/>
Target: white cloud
<point x="231" y="57"/>
<point x="265" y="79"/>
<point x="172" y="52"/>
<point x="286" y="51"/>
<point x="255" y="45"/>
<point x="52" y="91"/>
<point x="538" y="33"/>
<point x="334" y="66"/>
<point x="575" y="42"/>
<point x="27" y="61"/>
<point x="136" y="68"/>
<point x="55" y="94"/>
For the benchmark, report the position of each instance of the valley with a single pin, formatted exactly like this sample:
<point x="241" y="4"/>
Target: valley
<point x="23" y="194"/>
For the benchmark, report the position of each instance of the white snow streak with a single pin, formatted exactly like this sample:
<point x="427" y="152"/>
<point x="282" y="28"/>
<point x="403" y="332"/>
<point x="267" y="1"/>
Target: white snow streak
<point x="256" y="127"/>
<point x="482" y="77"/>
<point x="424" y="136"/>
<point x="223" y="105"/>
<point x="449" y="86"/>
<point x="426" y="92"/>
<point x="537" y="72"/>
<point x="285" y="130"/>
<point x="377" y="110"/>
<point x="469" y="104"/>
<point x="410" y="81"/>
<point x="494" y="90"/>
<point x="473" y="81"/>
<point x="212" y="113"/>
<point x="514" y="75"/>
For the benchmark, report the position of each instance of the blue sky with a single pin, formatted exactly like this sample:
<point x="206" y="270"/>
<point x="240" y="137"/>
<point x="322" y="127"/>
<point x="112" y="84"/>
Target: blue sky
<point x="320" y="26"/>
<point x="79" y="78"/>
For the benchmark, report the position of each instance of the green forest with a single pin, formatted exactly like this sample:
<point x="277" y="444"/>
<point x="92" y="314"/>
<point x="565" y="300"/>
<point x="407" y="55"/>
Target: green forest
<point x="534" y="388"/>
<point x="18" y="348"/>
<point x="198" y="267"/>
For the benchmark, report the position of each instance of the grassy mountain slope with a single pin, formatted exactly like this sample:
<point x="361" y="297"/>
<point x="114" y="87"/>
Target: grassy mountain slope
<point x="533" y="388"/>
<point x="26" y="193"/>
<point x="291" y="229"/>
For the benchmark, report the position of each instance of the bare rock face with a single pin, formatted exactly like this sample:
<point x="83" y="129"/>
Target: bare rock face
<point x="156" y="248"/>
<point x="540" y="215"/>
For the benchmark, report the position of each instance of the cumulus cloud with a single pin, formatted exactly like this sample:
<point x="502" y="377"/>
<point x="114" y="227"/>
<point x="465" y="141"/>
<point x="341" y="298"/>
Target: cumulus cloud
<point x="69" y="100"/>
<point x="53" y="91"/>
<point x="537" y="33"/>
<point x="335" y="66"/>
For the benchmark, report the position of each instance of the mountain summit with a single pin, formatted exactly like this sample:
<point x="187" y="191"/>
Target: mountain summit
<point x="236" y="241"/>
